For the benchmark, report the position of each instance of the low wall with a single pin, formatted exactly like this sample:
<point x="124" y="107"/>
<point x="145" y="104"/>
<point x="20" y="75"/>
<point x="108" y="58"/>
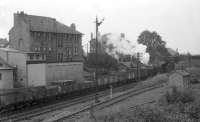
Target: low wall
<point x="64" y="71"/>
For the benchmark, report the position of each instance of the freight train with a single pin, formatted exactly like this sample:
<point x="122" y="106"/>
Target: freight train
<point x="17" y="98"/>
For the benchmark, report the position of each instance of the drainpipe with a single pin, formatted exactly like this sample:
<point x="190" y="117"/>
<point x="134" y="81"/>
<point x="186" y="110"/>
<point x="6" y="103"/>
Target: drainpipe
<point x="7" y="56"/>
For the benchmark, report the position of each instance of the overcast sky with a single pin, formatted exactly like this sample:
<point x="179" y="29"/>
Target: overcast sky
<point x="177" y="21"/>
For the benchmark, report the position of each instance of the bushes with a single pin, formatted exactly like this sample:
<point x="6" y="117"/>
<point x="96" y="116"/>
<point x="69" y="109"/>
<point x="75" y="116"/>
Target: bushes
<point x="177" y="96"/>
<point x="141" y="114"/>
<point x="150" y="114"/>
<point x="180" y="106"/>
<point x="182" y="102"/>
<point x="194" y="110"/>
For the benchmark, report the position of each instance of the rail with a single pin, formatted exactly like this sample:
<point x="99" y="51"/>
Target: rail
<point x="106" y="103"/>
<point x="53" y="107"/>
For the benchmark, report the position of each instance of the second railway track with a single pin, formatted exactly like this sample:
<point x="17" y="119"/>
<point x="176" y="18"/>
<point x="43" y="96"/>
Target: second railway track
<point x="106" y="103"/>
<point x="46" y="109"/>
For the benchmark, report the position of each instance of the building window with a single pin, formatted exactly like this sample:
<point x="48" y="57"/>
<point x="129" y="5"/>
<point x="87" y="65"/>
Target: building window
<point x="75" y="51"/>
<point x="60" y="56"/>
<point x="43" y="56"/>
<point x="60" y="43"/>
<point x="69" y="51"/>
<point x="20" y="43"/>
<point x="37" y="56"/>
<point x="49" y="36"/>
<point x="77" y="37"/>
<point x="1" y="64"/>
<point x="0" y="76"/>
<point x="65" y="37"/>
<point x="31" y="57"/>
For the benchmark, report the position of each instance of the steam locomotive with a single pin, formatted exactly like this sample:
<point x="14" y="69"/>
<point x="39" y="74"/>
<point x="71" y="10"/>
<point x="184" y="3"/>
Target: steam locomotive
<point x="25" y="97"/>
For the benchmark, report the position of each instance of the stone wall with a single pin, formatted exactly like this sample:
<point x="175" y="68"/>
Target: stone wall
<point x="36" y="74"/>
<point x="64" y="71"/>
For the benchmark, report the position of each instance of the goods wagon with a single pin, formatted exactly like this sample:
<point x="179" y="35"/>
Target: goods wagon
<point x="67" y="88"/>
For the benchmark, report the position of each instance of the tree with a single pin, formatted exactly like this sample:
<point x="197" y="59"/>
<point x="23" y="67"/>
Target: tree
<point x="104" y="62"/>
<point x="155" y="45"/>
<point x="151" y="39"/>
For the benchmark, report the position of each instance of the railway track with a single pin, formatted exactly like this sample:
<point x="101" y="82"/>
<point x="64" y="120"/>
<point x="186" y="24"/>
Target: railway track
<point x="105" y="104"/>
<point x="46" y="109"/>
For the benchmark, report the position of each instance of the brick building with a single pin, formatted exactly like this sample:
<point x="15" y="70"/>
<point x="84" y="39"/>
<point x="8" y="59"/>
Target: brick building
<point x="43" y="50"/>
<point x="46" y="35"/>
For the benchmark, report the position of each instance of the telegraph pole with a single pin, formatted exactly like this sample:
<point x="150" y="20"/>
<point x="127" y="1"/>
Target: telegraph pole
<point x="87" y="48"/>
<point x="138" y="65"/>
<point x="97" y="24"/>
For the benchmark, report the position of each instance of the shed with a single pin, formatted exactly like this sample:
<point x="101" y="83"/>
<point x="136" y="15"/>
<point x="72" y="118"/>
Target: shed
<point x="6" y="75"/>
<point x="179" y="78"/>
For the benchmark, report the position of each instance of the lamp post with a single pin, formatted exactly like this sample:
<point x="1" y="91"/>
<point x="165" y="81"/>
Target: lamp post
<point x="97" y="24"/>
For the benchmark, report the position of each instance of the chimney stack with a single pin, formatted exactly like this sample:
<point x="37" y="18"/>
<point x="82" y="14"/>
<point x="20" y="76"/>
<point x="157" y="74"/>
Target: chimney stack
<point x="73" y="26"/>
<point x="91" y="35"/>
<point x="22" y="12"/>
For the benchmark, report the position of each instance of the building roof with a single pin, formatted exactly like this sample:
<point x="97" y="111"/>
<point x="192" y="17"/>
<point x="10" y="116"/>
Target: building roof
<point x="182" y="72"/>
<point x="3" y="41"/>
<point x="171" y="52"/>
<point x="5" y="65"/>
<point x="10" y="50"/>
<point x="7" y="49"/>
<point x="128" y="64"/>
<point x="46" y="24"/>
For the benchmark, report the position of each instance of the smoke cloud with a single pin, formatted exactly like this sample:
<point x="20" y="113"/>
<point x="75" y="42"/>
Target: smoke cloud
<point x="117" y="44"/>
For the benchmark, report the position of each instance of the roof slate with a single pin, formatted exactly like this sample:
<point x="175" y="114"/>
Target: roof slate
<point x="47" y="24"/>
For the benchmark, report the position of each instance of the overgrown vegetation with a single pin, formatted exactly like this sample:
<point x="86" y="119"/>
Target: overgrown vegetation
<point x="174" y="106"/>
<point x="177" y="96"/>
<point x="184" y="103"/>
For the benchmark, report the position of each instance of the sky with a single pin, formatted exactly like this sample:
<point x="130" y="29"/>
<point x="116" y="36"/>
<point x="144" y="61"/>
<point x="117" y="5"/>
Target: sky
<point x="177" y="21"/>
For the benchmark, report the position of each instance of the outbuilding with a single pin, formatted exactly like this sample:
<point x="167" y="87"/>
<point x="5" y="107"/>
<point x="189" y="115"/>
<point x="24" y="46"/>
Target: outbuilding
<point x="6" y="75"/>
<point x="179" y="78"/>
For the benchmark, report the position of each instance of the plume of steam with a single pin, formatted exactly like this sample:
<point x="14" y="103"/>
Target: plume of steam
<point x="117" y="44"/>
